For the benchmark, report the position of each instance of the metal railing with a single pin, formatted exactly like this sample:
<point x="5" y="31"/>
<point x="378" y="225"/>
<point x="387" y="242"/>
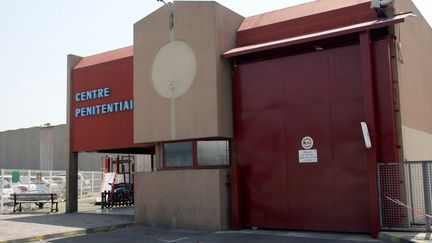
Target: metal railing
<point x="405" y="195"/>
<point x="89" y="183"/>
<point x="117" y="199"/>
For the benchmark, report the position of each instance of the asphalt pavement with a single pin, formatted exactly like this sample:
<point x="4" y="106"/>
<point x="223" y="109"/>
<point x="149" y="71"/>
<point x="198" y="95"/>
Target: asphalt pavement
<point x="32" y="227"/>
<point x="117" y="225"/>
<point x="139" y="233"/>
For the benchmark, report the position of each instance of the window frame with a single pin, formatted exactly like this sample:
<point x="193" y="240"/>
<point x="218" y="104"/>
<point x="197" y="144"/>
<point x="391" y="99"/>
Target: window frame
<point x="176" y="167"/>
<point x="195" y="164"/>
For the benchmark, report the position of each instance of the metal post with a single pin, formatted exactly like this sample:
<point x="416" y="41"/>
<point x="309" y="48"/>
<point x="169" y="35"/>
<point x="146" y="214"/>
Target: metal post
<point x="426" y="190"/>
<point x="411" y="192"/>
<point x="92" y="183"/>
<point x="369" y="107"/>
<point x="1" y="191"/>
<point x="81" y="183"/>
<point x="50" y="180"/>
<point x="379" y="194"/>
<point x="28" y="185"/>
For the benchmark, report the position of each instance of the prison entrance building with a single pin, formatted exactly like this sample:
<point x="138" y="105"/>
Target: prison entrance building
<point x="276" y="121"/>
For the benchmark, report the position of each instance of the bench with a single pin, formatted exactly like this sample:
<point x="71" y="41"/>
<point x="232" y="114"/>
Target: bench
<point x="38" y="198"/>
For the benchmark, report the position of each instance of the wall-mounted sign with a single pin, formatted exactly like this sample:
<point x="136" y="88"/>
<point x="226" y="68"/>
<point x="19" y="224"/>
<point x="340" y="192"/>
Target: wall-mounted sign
<point x="308" y="156"/>
<point x="102" y="103"/>
<point x="307" y="142"/>
<point x="124" y="105"/>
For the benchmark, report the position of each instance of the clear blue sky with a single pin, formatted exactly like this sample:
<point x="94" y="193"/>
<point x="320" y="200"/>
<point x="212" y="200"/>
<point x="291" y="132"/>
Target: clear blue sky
<point x="36" y="36"/>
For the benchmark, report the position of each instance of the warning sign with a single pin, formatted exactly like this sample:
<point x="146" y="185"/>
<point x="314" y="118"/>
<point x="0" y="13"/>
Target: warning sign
<point x="308" y="156"/>
<point x="307" y="142"/>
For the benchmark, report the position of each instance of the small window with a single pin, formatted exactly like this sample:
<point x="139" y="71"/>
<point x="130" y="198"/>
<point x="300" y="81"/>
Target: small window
<point x="178" y="154"/>
<point x="213" y="152"/>
<point x="196" y="154"/>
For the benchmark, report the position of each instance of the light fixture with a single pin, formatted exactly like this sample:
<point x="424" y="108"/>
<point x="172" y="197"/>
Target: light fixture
<point x="171" y="19"/>
<point x="317" y="48"/>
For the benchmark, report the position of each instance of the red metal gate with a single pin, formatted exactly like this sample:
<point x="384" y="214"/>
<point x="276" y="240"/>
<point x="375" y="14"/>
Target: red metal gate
<point x="317" y="95"/>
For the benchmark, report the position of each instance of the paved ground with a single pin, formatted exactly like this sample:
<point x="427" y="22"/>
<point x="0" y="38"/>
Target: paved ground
<point x="139" y="233"/>
<point x="38" y="227"/>
<point x="117" y="225"/>
<point x="400" y="237"/>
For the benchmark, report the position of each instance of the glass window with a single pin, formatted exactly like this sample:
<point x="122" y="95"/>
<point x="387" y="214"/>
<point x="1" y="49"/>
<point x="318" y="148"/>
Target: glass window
<point x="213" y="152"/>
<point x="178" y="154"/>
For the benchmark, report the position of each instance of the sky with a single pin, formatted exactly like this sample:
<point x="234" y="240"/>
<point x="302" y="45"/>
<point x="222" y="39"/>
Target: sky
<point x="37" y="35"/>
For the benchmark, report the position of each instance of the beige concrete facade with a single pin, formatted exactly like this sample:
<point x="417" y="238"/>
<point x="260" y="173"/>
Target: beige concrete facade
<point x="194" y="199"/>
<point x="205" y="110"/>
<point x="417" y="144"/>
<point x="414" y="38"/>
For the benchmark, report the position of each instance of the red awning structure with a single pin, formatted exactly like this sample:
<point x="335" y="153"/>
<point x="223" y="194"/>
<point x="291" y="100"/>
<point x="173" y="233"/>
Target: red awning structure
<point x="376" y="24"/>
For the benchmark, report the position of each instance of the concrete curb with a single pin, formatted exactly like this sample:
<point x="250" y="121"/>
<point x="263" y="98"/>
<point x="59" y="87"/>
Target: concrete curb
<point x="70" y="233"/>
<point x="392" y="238"/>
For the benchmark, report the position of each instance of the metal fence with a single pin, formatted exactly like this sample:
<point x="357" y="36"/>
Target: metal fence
<point x="50" y="181"/>
<point x="117" y="199"/>
<point x="405" y="195"/>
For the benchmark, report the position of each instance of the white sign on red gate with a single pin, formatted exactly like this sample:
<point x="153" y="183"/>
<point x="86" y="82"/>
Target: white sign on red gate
<point x="308" y="156"/>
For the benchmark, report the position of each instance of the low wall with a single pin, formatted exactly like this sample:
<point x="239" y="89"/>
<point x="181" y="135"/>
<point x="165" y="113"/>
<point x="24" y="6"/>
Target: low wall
<point x="193" y="199"/>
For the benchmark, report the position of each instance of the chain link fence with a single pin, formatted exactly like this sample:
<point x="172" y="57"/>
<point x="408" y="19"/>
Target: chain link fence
<point x="48" y="181"/>
<point x="405" y="195"/>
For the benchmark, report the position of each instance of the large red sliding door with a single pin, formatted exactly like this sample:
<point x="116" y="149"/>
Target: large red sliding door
<point x="281" y="101"/>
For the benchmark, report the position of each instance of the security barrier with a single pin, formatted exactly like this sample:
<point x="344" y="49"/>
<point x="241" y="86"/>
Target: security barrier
<point x="405" y="195"/>
<point x="117" y="199"/>
<point x="44" y="181"/>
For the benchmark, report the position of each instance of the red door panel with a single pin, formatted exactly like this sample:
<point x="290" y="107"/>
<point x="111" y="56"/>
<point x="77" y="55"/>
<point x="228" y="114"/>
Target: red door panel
<point x="261" y="140"/>
<point x="308" y="182"/>
<point x="351" y="181"/>
<point x="281" y="101"/>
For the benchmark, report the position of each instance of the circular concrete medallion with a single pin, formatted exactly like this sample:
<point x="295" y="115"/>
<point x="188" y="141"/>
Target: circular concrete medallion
<point x="173" y="70"/>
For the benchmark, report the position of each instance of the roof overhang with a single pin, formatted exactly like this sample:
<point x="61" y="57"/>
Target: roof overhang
<point x="376" y="24"/>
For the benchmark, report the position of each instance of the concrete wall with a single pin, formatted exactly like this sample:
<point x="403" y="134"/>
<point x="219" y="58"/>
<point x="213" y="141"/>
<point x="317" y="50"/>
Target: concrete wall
<point x="20" y="148"/>
<point x="196" y="199"/>
<point x="59" y="147"/>
<point x="143" y="162"/>
<point x="415" y="85"/>
<point x="205" y="109"/>
<point x="46" y="149"/>
<point x="90" y="161"/>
